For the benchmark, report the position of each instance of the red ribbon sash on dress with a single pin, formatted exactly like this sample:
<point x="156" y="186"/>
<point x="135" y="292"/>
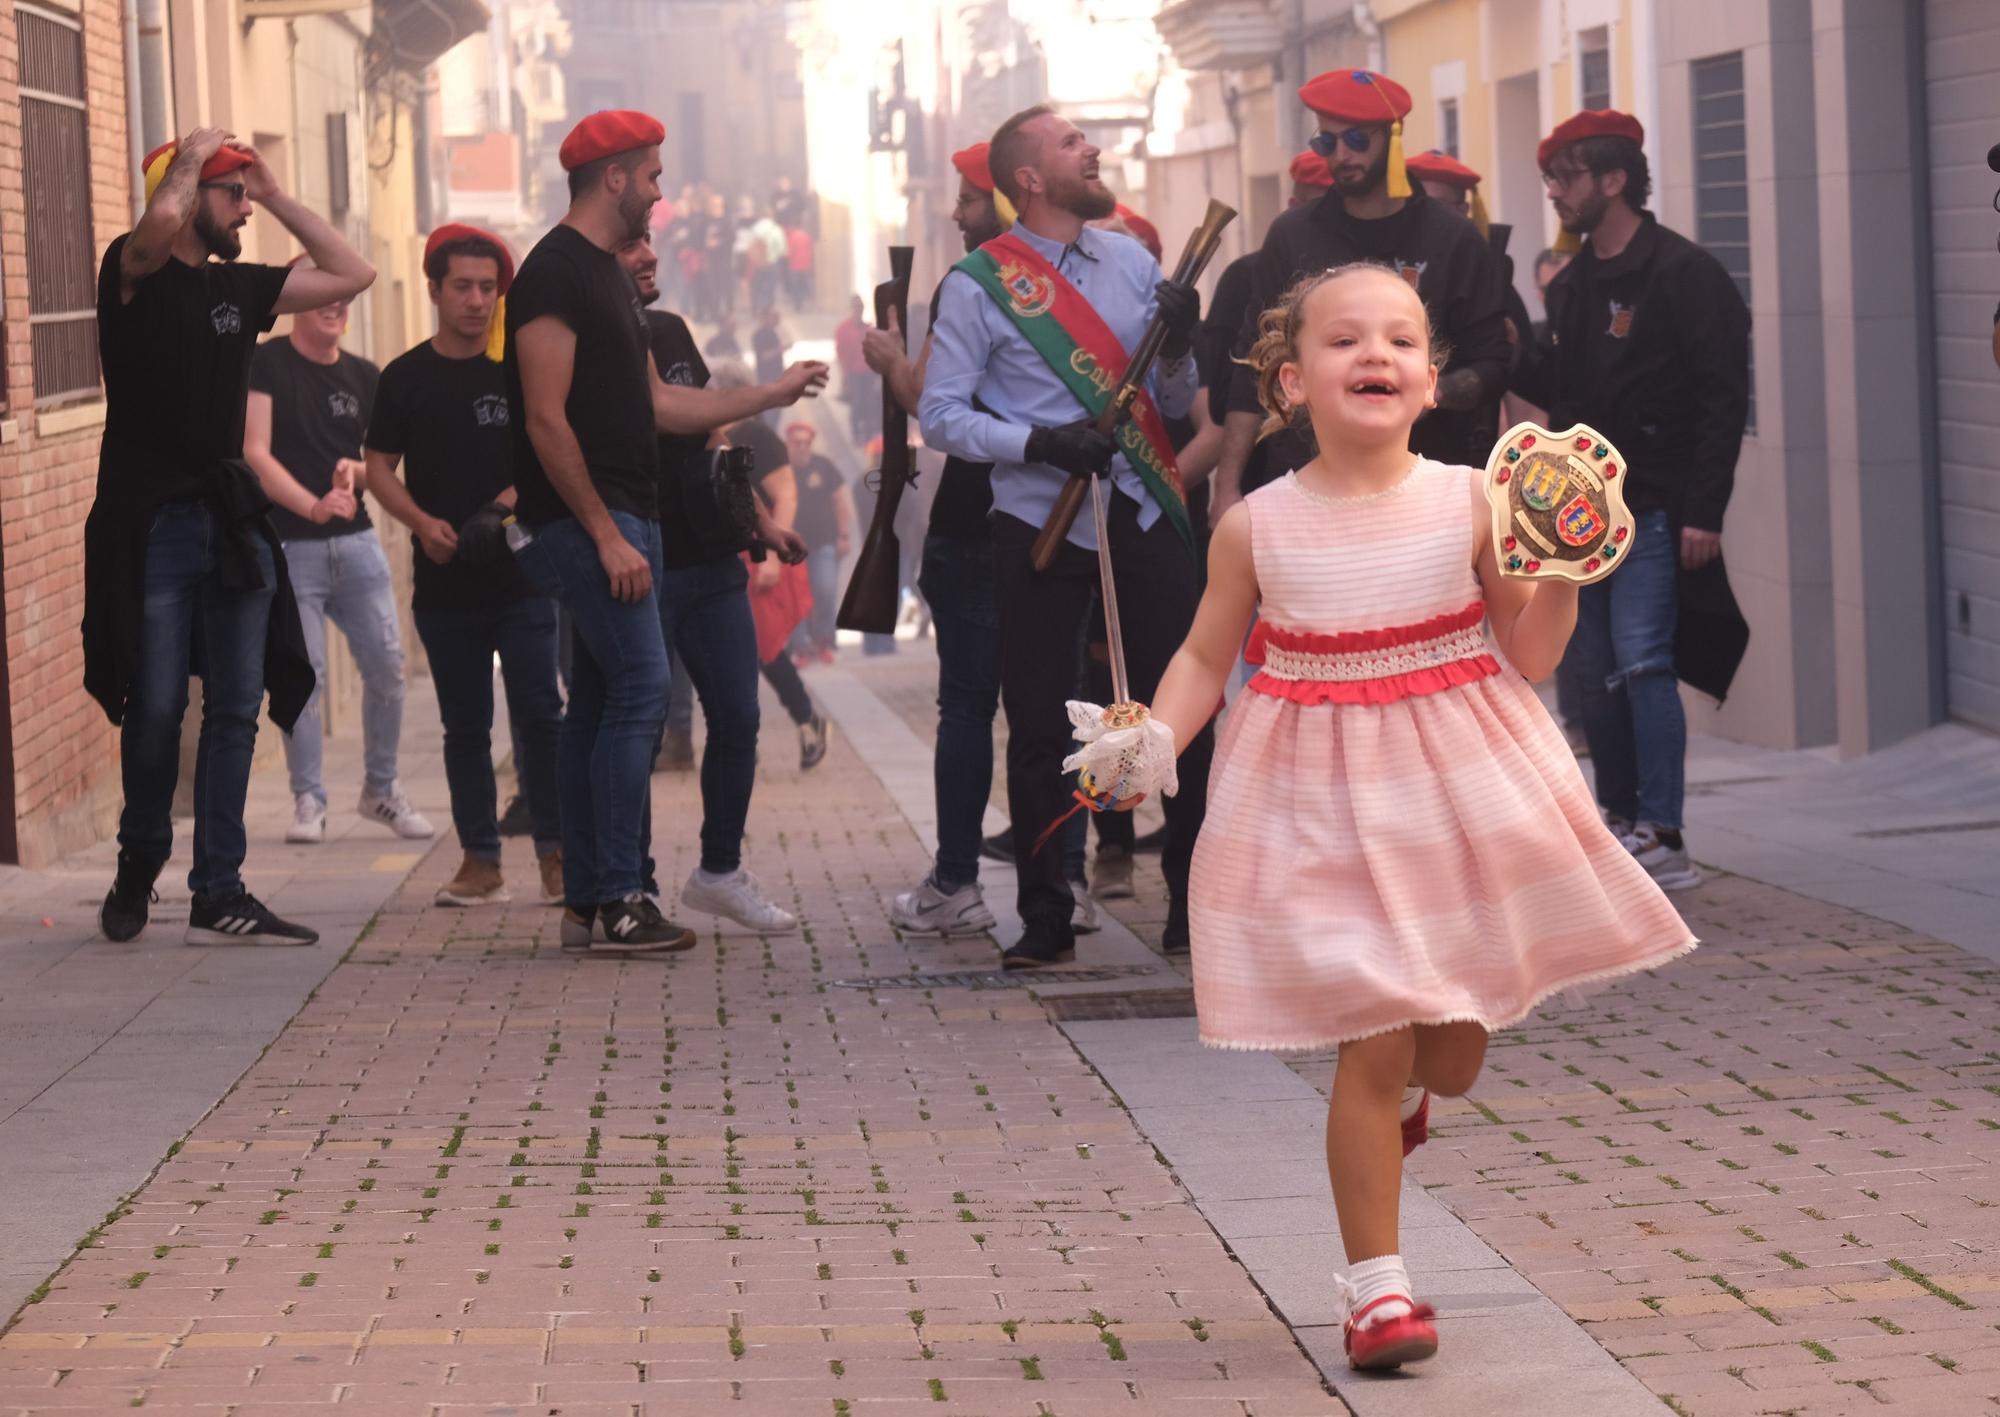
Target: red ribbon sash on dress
<point x="1367" y="666"/>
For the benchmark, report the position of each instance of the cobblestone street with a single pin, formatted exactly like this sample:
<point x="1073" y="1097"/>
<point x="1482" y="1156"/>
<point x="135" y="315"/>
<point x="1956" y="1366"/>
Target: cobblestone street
<point x="476" y="1174"/>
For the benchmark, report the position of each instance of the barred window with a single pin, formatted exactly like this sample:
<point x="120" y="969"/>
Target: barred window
<point x="1722" y="177"/>
<point x="55" y="168"/>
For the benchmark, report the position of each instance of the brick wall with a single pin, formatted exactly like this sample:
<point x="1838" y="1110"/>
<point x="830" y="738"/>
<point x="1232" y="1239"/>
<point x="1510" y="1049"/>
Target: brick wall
<point x="65" y="754"/>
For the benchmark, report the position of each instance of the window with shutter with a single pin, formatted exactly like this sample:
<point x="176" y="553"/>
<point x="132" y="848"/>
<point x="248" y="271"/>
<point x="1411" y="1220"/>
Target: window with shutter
<point x="55" y="148"/>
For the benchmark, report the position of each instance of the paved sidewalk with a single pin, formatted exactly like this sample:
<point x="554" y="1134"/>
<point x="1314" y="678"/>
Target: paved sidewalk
<point x="476" y="1174"/>
<point x="1763" y="1178"/>
<point x="110" y="1052"/>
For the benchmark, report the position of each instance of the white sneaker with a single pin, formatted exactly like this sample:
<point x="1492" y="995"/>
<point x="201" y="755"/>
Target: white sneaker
<point x="393" y="810"/>
<point x="308" y="826"/>
<point x="928" y="910"/>
<point x="737" y="897"/>
<point x="1667" y="865"/>
<point x="1083" y="915"/>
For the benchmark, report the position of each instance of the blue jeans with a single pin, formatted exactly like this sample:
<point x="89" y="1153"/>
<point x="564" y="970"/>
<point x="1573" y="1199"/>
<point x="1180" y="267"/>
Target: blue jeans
<point x="345" y="579"/>
<point x="705" y="615"/>
<point x="1623" y="657"/>
<point x="617" y="702"/>
<point x="186" y="604"/>
<point x="957" y="581"/>
<point x="816" y="631"/>
<point x="461" y="645"/>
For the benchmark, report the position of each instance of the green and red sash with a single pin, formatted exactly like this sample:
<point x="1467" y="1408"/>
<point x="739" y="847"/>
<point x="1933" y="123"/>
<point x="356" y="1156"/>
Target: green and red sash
<point x="1068" y="332"/>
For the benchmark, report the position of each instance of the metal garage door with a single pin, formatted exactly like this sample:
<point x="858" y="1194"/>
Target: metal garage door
<point x="1962" y="70"/>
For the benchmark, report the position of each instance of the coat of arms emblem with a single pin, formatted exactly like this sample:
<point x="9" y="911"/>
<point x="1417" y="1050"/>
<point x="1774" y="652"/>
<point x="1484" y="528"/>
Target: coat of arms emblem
<point x="1030" y="294"/>
<point x="1558" y="504"/>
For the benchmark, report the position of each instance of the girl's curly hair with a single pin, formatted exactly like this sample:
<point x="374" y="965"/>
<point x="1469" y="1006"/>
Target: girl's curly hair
<point x="1278" y="341"/>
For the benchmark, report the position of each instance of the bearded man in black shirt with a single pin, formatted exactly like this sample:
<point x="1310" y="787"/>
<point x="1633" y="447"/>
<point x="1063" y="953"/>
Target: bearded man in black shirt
<point x="178" y="539"/>
<point x="704" y="609"/>
<point x="1373" y="215"/>
<point x="1648" y="341"/>
<point x="441" y="413"/>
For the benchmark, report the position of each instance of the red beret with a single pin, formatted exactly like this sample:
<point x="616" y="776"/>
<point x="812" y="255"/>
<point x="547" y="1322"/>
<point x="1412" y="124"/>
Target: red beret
<point x="616" y="130"/>
<point x="1147" y="234"/>
<point x="228" y="158"/>
<point x="1309" y="169"/>
<point x="1435" y="166"/>
<point x="971" y="165"/>
<point x="458" y="231"/>
<point x="1590" y="123"/>
<point x="1356" y="96"/>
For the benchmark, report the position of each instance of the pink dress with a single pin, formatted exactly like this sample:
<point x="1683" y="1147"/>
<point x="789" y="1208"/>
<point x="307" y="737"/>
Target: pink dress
<point x="1396" y="831"/>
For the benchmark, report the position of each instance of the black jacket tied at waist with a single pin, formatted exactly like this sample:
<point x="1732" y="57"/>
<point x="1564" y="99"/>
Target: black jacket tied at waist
<point x="114" y="575"/>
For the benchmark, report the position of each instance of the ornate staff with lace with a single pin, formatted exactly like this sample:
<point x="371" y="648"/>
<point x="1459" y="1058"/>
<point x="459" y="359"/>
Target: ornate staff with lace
<point x="1127" y="754"/>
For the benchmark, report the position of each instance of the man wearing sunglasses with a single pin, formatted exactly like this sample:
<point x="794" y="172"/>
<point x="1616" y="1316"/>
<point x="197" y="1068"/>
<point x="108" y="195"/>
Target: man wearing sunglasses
<point x="178" y="549"/>
<point x="1372" y="215"/>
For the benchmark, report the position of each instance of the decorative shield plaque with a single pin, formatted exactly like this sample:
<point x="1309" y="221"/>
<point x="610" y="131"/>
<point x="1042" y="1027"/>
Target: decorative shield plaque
<point x="1558" y="504"/>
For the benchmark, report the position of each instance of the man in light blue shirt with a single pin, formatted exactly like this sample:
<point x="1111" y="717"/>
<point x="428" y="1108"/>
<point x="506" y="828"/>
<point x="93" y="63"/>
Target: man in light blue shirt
<point x="991" y="396"/>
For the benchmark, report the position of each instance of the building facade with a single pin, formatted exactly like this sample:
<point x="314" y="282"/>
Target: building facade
<point x="329" y="92"/>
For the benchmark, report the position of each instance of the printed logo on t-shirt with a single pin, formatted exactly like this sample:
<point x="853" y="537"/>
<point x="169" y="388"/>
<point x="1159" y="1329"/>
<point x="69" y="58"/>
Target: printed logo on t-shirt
<point x="227" y="319"/>
<point x="342" y="404"/>
<point x="1621" y="320"/>
<point x="490" y="410"/>
<point x="680" y="372"/>
<point x="1411" y="271"/>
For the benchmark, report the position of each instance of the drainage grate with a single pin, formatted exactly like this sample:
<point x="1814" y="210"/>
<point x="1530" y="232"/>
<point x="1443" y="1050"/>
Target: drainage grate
<point x="1138" y="1003"/>
<point x="1934" y="829"/>
<point x="996" y="978"/>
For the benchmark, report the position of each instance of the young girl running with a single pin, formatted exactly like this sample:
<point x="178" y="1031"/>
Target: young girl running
<point x="1400" y="854"/>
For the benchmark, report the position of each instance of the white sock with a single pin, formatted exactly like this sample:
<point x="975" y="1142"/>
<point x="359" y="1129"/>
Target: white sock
<point x="1376" y="1278"/>
<point x="1413" y="1098"/>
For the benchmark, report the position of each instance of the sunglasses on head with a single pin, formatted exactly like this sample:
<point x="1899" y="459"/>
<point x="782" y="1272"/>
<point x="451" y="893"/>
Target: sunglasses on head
<point x="234" y="189"/>
<point x="1356" y="139"/>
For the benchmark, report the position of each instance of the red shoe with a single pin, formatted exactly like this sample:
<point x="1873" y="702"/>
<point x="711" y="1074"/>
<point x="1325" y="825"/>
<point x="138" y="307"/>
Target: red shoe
<point x="1390" y="1343"/>
<point x="1417" y="1129"/>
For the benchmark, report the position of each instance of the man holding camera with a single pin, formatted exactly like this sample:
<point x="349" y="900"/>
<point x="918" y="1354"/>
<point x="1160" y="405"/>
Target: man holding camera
<point x="704" y="610"/>
<point x="441" y="412"/>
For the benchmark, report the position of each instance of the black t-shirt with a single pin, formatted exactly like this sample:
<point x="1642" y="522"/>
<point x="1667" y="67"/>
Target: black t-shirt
<point x="319" y="415"/>
<point x="1452" y="268"/>
<point x="448" y="420"/>
<point x="963" y="504"/>
<point x="610" y="404"/>
<point x="679" y="362"/>
<point x="818" y="522"/>
<point x="176" y="362"/>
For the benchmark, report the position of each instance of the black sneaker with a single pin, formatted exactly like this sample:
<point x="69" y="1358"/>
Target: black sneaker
<point x="812" y="742"/>
<point x="517" y="820"/>
<point x="126" y="906"/>
<point x="242" y="919"/>
<point x="1038" y="948"/>
<point x="634" y="925"/>
<point x="999" y="847"/>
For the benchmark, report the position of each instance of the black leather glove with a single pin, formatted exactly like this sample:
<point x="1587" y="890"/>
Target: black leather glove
<point x="1180" y="307"/>
<point x="482" y="540"/>
<point x="1077" y="448"/>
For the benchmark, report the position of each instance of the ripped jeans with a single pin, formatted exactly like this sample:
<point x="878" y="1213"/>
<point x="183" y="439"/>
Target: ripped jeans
<point x="1623" y="657"/>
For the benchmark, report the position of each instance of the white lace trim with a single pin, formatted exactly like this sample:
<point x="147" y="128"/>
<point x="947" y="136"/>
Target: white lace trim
<point x="1295" y="665"/>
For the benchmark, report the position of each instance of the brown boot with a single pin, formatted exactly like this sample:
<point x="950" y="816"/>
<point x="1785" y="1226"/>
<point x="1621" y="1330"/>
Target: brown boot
<point x="477" y="883"/>
<point x="552" y="880"/>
